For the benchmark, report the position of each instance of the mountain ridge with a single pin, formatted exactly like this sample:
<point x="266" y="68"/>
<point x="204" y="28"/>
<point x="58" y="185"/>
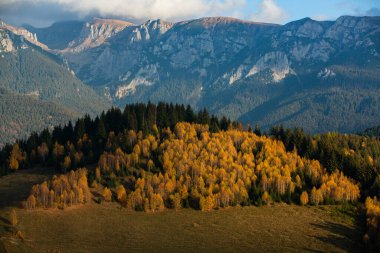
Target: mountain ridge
<point x="234" y="67"/>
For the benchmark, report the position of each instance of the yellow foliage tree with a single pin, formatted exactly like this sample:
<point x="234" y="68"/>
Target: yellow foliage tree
<point x="304" y="198"/>
<point x="176" y="201"/>
<point x="121" y="194"/>
<point x="206" y="204"/>
<point x="13" y="217"/>
<point x="266" y="198"/>
<point x="66" y="163"/>
<point x="16" y="156"/>
<point x="107" y="194"/>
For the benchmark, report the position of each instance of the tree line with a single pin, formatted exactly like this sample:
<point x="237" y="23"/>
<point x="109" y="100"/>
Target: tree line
<point x="79" y="144"/>
<point x="356" y="155"/>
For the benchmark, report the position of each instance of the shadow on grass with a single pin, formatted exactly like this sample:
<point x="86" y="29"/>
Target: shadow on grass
<point x="4" y="220"/>
<point x="16" y="186"/>
<point x="40" y="171"/>
<point x="312" y="250"/>
<point x="2" y="248"/>
<point x="344" y="237"/>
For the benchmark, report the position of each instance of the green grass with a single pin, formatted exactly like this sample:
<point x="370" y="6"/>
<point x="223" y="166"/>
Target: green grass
<point x="107" y="227"/>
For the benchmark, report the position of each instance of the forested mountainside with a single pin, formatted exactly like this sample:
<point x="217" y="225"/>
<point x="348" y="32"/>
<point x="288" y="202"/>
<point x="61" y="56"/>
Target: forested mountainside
<point x="21" y="115"/>
<point x="42" y="84"/>
<point x="319" y="75"/>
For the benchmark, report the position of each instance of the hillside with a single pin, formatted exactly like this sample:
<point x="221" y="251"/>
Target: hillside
<point x="23" y="114"/>
<point x="27" y="70"/>
<point x="322" y="76"/>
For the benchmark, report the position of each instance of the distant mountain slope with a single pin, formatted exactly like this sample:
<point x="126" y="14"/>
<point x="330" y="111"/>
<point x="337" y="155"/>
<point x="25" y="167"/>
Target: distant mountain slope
<point x="323" y="76"/>
<point x="22" y="114"/>
<point x="372" y="131"/>
<point x="26" y="69"/>
<point x="58" y="35"/>
<point x="76" y="36"/>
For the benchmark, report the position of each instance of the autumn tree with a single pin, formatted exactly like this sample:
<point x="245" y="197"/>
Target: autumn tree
<point x="42" y="151"/>
<point x="304" y="198"/>
<point x="121" y="194"/>
<point x="31" y="202"/>
<point x="176" y="201"/>
<point x="13" y="217"/>
<point x="107" y="194"/>
<point x="66" y="163"/>
<point x="16" y="157"/>
<point x="44" y="194"/>
<point x="206" y="203"/>
<point x="266" y="197"/>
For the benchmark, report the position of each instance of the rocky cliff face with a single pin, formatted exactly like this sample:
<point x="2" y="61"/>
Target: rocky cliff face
<point x="25" y="34"/>
<point x="6" y="43"/>
<point x="95" y="33"/>
<point x="215" y="49"/>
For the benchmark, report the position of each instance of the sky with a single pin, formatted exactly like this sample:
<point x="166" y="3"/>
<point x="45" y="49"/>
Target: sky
<point x="42" y="13"/>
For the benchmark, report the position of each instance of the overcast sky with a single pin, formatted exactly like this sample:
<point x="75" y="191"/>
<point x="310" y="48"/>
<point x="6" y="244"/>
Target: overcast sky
<point x="44" y="12"/>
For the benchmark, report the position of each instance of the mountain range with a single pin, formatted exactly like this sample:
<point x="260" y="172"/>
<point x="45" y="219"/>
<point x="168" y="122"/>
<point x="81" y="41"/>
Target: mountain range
<point x="318" y="75"/>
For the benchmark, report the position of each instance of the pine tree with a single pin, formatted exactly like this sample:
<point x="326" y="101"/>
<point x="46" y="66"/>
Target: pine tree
<point x="101" y="130"/>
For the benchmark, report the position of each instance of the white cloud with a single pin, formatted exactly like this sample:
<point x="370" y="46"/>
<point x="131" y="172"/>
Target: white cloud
<point x="144" y="9"/>
<point x="373" y="12"/>
<point x="322" y="17"/>
<point x="270" y="12"/>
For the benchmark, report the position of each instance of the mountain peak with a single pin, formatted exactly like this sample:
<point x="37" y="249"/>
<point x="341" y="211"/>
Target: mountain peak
<point x="153" y="28"/>
<point x="24" y="33"/>
<point x="154" y="23"/>
<point x="96" y="32"/>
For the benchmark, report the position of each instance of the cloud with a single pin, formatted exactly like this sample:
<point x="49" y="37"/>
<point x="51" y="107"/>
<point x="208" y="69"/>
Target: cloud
<point x="28" y="12"/>
<point x="270" y="12"/>
<point x="172" y="10"/>
<point x="322" y="17"/>
<point x="373" y="12"/>
<point x="350" y="7"/>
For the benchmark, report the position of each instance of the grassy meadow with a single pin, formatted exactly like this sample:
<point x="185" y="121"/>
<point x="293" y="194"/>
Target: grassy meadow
<point x="107" y="227"/>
